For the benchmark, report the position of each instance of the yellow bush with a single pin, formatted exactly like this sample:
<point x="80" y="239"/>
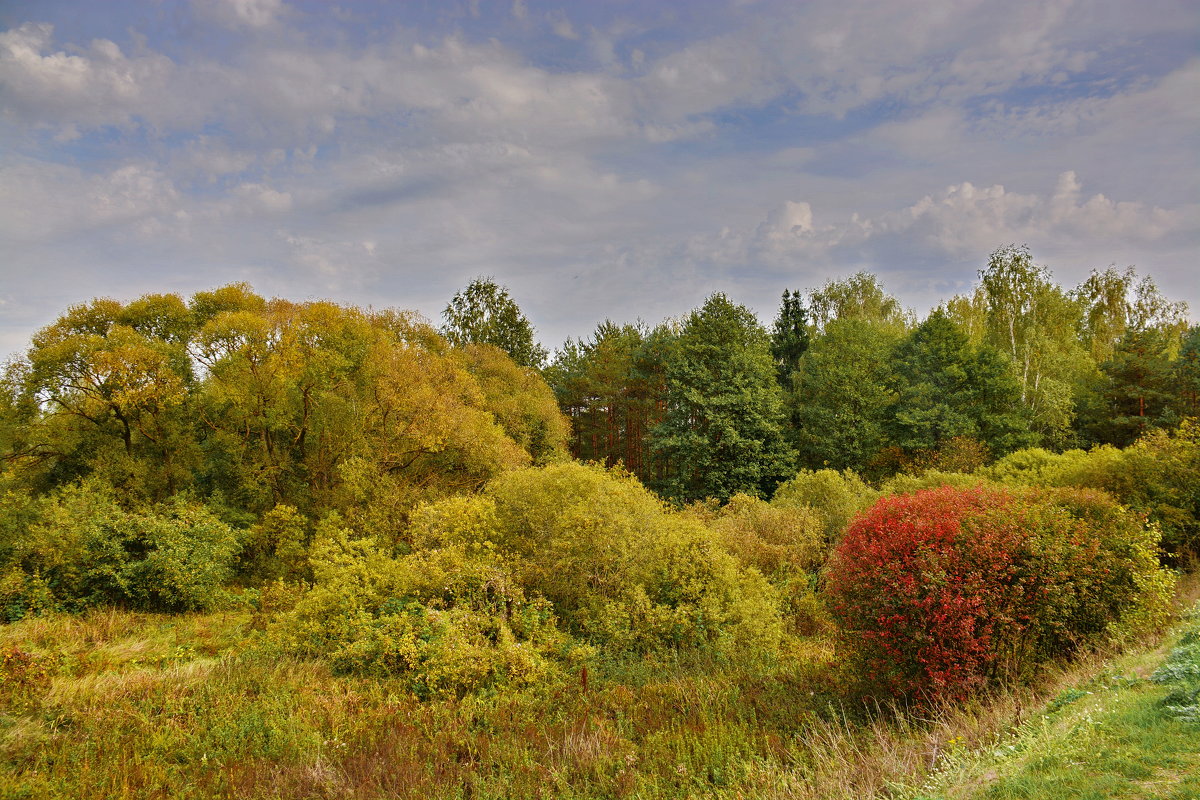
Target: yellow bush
<point x="621" y="569"/>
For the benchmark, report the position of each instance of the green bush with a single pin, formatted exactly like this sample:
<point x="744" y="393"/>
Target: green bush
<point x="276" y="547"/>
<point x="783" y="542"/>
<point x="1159" y="475"/>
<point x="621" y="569"/>
<point x="835" y="496"/>
<point x="81" y="548"/>
<point x="906" y="483"/>
<point x="447" y="620"/>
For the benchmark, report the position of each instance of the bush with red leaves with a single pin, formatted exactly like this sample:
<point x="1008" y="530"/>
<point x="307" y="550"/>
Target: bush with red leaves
<point x="949" y="590"/>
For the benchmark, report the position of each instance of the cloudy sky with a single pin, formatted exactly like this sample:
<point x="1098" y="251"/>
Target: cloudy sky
<point x="614" y="159"/>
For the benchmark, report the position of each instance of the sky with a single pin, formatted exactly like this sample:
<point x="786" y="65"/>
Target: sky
<point x="621" y="159"/>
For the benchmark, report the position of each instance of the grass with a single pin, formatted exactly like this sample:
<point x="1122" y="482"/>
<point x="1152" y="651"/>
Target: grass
<point x="1130" y="730"/>
<point x="120" y="705"/>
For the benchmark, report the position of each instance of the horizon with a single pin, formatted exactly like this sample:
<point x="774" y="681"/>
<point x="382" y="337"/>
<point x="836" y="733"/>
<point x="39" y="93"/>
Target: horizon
<point x="602" y="161"/>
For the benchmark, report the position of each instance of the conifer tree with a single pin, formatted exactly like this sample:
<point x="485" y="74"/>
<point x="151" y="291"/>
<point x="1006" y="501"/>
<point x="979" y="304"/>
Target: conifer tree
<point x="723" y="431"/>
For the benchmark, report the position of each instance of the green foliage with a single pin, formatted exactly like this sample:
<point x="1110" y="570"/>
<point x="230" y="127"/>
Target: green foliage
<point x="521" y="401"/>
<point x="1186" y="379"/>
<point x="836" y="497"/>
<point x="789" y="336"/>
<point x="276" y="547"/>
<point x="945" y="389"/>
<point x="859" y="297"/>
<point x="613" y="387"/>
<point x="1036" y="325"/>
<point x="484" y="313"/>
<point x="1158" y="475"/>
<point x="908" y="483"/>
<point x="723" y="431"/>
<point x="449" y="621"/>
<point x="1138" y="389"/>
<point x="840" y="395"/>
<point x="620" y="569"/>
<point x="82" y="549"/>
<point x="786" y="544"/>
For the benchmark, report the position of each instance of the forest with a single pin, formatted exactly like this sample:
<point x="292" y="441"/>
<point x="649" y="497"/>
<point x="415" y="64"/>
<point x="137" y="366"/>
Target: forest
<point x="266" y="548"/>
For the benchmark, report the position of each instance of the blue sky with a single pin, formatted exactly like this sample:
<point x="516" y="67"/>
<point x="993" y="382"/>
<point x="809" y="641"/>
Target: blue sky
<point x="601" y="159"/>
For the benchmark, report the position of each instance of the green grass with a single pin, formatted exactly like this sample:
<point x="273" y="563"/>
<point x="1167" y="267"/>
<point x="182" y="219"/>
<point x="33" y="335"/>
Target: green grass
<point x="1131" y="732"/>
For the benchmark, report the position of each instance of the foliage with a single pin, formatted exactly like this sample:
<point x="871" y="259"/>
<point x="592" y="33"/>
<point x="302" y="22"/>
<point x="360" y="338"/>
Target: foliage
<point x="723" y="430"/>
<point x="1138" y="390"/>
<point x="786" y="544"/>
<point x="312" y="405"/>
<point x="79" y="548"/>
<point x="946" y="390"/>
<point x="789" y="336"/>
<point x="1158" y="476"/>
<point x="836" y="497"/>
<point x="448" y="621"/>
<point x="276" y="547"/>
<point x="949" y="589"/>
<point x="485" y="313"/>
<point x="613" y="386"/>
<point x="620" y="569"/>
<point x="841" y="394"/>
<point x="522" y="403"/>
<point x="859" y="297"/>
<point x="1036" y="324"/>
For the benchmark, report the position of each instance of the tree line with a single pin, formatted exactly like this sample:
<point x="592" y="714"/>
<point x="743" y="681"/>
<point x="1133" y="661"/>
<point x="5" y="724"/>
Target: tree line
<point x="846" y="378"/>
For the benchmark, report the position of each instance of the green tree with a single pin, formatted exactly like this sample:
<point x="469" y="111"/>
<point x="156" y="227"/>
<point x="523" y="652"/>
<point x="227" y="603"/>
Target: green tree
<point x="612" y="386"/>
<point x="789" y="336"/>
<point x="1138" y="388"/>
<point x="1187" y="376"/>
<point x="484" y="313"/>
<point x="724" y="426"/>
<point x="1115" y="302"/>
<point x="1036" y="325"/>
<point x="841" y="393"/>
<point x="105" y="389"/>
<point x="946" y="389"/>
<point x="858" y="297"/>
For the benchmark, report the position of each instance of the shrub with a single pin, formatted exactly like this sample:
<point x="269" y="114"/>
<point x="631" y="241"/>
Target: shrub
<point x="905" y="483"/>
<point x="81" y="548"/>
<point x="1158" y="475"/>
<point x="949" y="589"/>
<point x="785" y="543"/>
<point x="835" y="496"/>
<point x="449" y="621"/>
<point x="620" y="568"/>
<point x="276" y="547"/>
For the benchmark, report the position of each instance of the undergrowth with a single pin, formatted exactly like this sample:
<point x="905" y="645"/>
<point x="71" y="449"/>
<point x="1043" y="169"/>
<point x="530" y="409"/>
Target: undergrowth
<point x="118" y="704"/>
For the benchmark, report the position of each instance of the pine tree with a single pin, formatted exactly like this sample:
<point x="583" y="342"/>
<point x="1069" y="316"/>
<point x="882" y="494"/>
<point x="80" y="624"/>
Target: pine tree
<point x="723" y="431"/>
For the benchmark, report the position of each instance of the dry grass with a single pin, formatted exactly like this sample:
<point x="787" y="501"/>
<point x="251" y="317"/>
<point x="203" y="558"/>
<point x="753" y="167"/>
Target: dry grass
<point x="187" y="707"/>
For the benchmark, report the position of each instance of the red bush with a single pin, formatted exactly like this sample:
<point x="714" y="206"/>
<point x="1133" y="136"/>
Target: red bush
<point x="948" y="589"/>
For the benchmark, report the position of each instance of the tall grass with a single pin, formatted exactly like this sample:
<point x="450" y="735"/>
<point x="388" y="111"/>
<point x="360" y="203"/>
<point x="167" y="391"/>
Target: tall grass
<point x="200" y="706"/>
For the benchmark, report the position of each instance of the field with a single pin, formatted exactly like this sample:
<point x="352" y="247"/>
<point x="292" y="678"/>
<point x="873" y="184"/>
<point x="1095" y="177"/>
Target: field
<point x="116" y="704"/>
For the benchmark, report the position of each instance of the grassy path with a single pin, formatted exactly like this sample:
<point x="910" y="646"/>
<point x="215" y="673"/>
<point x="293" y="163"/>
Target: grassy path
<point x="1132" y="732"/>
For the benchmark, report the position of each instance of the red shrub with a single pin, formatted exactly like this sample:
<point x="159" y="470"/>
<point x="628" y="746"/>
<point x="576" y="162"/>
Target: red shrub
<point x="948" y="589"/>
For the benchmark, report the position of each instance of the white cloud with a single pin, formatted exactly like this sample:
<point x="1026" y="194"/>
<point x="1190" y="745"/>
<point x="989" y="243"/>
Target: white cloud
<point x="240" y="13"/>
<point x="98" y="86"/>
<point x="40" y="200"/>
<point x="562" y="26"/>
